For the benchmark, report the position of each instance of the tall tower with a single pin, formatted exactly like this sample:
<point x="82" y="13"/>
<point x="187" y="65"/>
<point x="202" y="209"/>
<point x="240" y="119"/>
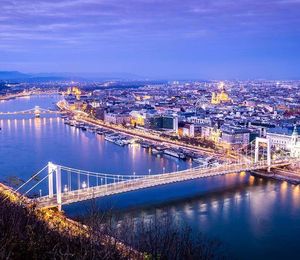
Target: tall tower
<point x="294" y="142"/>
<point x="295" y="135"/>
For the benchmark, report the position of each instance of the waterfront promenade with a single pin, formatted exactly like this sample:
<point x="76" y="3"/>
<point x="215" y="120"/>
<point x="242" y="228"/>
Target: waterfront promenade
<point x="85" y="118"/>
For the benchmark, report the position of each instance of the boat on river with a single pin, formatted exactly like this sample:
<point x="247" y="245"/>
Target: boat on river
<point x="175" y="154"/>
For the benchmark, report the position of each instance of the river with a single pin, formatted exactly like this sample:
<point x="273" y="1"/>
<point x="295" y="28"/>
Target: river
<point x="254" y="218"/>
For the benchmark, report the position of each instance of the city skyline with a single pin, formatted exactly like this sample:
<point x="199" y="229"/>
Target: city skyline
<point x="155" y="39"/>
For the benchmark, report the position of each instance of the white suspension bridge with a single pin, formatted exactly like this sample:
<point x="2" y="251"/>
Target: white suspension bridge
<point x="36" y="111"/>
<point x="67" y="185"/>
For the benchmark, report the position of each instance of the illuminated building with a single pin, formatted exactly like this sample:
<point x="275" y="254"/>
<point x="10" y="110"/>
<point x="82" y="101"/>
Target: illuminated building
<point x="211" y="133"/>
<point x="220" y="97"/>
<point x="285" y="139"/>
<point x="137" y="118"/>
<point x="162" y="122"/>
<point x="117" y="118"/>
<point x="295" y="143"/>
<point x="186" y="129"/>
<point x="234" y="137"/>
<point x="74" y="91"/>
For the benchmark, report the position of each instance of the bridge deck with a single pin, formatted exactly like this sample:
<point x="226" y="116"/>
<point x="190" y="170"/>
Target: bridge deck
<point x="151" y="181"/>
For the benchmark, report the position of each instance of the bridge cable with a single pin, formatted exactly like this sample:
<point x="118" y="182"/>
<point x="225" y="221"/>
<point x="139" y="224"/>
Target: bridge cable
<point x="35" y="175"/>
<point x="35" y="185"/>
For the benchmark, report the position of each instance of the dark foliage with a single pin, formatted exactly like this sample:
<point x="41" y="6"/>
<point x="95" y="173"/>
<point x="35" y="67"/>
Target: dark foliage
<point x="24" y="236"/>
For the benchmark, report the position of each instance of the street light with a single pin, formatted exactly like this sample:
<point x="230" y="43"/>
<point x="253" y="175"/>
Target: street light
<point x="164" y="169"/>
<point x="40" y="193"/>
<point x="84" y="185"/>
<point x="149" y="171"/>
<point x="177" y="166"/>
<point x="65" y="188"/>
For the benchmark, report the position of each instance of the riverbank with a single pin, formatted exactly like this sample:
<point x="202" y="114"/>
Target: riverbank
<point x="22" y="94"/>
<point x="52" y="233"/>
<point x="85" y="118"/>
<point x="280" y="174"/>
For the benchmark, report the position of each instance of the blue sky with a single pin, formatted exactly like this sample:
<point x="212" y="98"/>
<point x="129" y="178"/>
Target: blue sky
<point x="216" y="39"/>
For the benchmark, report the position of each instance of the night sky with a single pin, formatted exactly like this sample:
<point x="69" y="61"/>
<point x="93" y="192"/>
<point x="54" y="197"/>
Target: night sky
<point x="204" y="39"/>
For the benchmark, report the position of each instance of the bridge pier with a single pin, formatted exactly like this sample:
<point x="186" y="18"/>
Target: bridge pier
<point x="52" y="168"/>
<point x="50" y="179"/>
<point x="37" y="111"/>
<point x="266" y="141"/>
<point x="58" y="187"/>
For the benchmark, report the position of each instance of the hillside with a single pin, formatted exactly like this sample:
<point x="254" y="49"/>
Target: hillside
<point x="28" y="233"/>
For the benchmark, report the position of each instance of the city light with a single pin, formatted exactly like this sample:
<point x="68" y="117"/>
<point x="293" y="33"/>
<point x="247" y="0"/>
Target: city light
<point x="66" y="188"/>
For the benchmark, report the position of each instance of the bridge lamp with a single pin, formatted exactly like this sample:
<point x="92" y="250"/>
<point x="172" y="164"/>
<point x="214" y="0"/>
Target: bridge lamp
<point x="149" y="171"/>
<point x="66" y="188"/>
<point x="40" y="193"/>
<point x="177" y="166"/>
<point x="83" y="185"/>
<point x="164" y="169"/>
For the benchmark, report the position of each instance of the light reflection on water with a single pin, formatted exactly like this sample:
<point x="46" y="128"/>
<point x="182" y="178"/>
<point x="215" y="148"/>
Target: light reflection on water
<point x="254" y="217"/>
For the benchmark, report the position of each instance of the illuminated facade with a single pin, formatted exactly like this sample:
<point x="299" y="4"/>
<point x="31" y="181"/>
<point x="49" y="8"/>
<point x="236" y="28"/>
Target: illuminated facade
<point x="211" y="133"/>
<point x="295" y="143"/>
<point x="74" y="91"/>
<point x="137" y="118"/>
<point x="221" y="96"/>
<point x="285" y="140"/>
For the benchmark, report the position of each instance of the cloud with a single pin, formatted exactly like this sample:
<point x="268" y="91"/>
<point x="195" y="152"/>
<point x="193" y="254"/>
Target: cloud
<point x="85" y="22"/>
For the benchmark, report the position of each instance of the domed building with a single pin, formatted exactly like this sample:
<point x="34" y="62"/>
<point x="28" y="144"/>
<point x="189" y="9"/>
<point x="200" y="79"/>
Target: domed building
<point x="74" y="91"/>
<point x="221" y="96"/>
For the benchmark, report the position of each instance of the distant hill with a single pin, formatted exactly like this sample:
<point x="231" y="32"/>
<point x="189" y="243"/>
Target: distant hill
<point x="44" y="77"/>
<point x="12" y="75"/>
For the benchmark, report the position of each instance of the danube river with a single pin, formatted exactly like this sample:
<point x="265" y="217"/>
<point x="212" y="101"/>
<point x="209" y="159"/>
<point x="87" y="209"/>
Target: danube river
<point x="254" y="218"/>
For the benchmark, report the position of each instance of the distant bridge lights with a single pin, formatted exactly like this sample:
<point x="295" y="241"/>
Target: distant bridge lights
<point x="37" y="111"/>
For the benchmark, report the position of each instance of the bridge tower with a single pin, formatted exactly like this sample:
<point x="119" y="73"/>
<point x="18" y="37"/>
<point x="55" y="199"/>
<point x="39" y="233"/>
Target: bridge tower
<point x="55" y="169"/>
<point x="37" y="111"/>
<point x="266" y="141"/>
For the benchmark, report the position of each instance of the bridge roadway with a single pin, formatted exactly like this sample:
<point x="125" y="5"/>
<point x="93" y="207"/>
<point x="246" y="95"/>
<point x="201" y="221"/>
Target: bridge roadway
<point x="32" y="112"/>
<point x="152" y="181"/>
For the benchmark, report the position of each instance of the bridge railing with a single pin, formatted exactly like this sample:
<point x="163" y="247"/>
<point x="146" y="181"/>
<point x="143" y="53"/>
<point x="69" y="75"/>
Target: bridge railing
<point x="154" y="180"/>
